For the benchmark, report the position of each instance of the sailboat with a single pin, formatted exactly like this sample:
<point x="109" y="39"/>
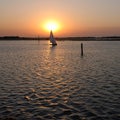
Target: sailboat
<point x="52" y="39"/>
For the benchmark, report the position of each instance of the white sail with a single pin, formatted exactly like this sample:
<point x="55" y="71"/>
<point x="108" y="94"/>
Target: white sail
<point x="52" y="40"/>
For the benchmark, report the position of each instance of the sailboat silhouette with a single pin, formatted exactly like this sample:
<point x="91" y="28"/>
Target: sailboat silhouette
<point x="52" y="39"/>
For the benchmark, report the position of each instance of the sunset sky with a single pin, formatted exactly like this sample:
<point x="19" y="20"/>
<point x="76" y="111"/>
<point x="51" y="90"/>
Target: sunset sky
<point x="73" y="17"/>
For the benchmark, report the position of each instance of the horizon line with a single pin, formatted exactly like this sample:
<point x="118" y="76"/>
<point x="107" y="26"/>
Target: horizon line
<point x="16" y="36"/>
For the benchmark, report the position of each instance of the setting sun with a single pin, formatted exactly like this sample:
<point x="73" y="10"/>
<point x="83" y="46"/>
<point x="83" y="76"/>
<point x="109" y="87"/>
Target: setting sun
<point x="52" y="26"/>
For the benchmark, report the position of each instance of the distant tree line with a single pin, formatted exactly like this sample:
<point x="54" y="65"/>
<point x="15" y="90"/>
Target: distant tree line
<point x="109" y="38"/>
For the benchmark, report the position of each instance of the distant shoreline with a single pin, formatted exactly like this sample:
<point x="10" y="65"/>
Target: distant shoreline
<point x="111" y="38"/>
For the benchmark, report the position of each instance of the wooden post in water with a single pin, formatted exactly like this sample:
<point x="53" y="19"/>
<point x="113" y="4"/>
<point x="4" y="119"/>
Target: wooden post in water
<point x="81" y="49"/>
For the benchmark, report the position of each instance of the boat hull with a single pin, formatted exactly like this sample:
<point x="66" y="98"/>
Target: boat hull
<point x="53" y="44"/>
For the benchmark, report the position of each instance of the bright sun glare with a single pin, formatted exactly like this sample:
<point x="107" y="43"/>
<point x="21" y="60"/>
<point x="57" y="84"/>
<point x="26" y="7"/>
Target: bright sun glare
<point x="52" y="26"/>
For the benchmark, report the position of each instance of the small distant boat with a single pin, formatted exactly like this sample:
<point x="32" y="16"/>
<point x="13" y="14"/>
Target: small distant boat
<point x="52" y="39"/>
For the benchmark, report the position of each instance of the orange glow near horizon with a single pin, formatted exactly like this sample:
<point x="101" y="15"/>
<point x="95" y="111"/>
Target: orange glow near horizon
<point x="47" y="24"/>
<point x="79" y="18"/>
<point x="52" y="26"/>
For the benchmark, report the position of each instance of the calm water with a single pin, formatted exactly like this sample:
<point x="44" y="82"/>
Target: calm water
<point x="40" y="82"/>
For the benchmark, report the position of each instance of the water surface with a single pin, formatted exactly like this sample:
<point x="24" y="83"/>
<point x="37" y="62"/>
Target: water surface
<point x="40" y="82"/>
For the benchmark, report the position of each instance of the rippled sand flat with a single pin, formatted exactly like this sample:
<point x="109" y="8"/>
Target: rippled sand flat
<point x="40" y="82"/>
